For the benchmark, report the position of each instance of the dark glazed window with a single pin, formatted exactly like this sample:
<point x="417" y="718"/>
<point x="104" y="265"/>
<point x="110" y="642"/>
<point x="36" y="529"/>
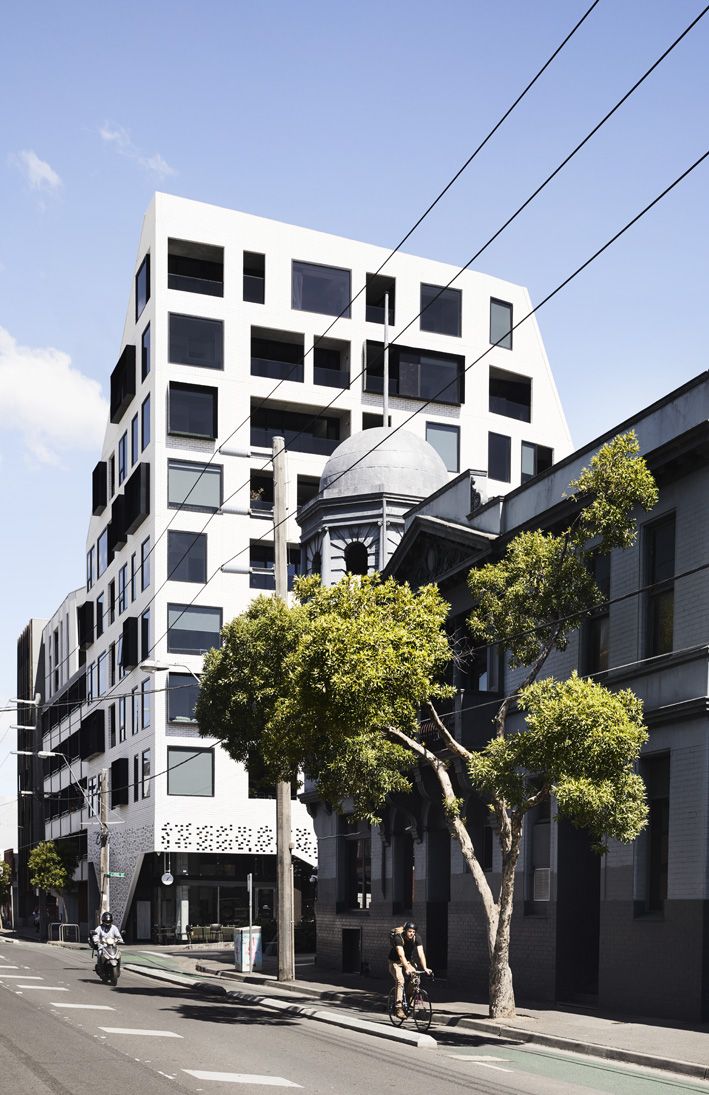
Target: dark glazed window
<point x="511" y="395"/>
<point x="278" y="354"/>
<point x="190" y="771"/>
<point x="134" y="447"/>
<point x="145" y="353"/>
<point x="182" y="697"/>
<point x="122" y="458"/>
<point x="145" y="424"/>
<point x="142" y="286"/>
<point x="324" y="289"/>
<point x="378" y="285"/>
<point x="102" y="553"/>
<point x="302" y="431"/>
<point x="194" y="486"/>
<point x="660" y="566"/>
<point x="193" y="411"/>
<point x="446" y="441"/>
<point x="254" y="277"/>
<point x="499" y="450"/>
<point x="195" y="267"/>
<point x="193" y="629"/>
<point x="655" y="770"/>
<point x="440" y="310"/>
<point x="145" y="564"/>
<point x="416" y="374"/>
<point x="501" y="323"/>
<point x="535" y="459"/>
<point x="196" y="341"/>
<point x="186" y="556"/>
<point x="595" y="633"/>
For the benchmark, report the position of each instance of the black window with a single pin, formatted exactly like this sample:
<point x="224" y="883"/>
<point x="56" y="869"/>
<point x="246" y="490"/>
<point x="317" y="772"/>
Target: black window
<point x="261" y="493"/>
<point x="145" y="564"/>
<point x="499" y="451"/>
<point x="99" y="614"/>
<point x="655" y="770"/>
<point x="595" y="633"/>
<point x="416" y="374"/>
<point x="440" y="310"/>
<point x="196" y="341"/>
<point x="112" y="725"/>
<point x="187" y="556"/>
<point x="660" y="566"/>
<point x="535" y="459"/>
<point x="511" y="395"/>
<point x="324" y="289"/>
<point x="122" y="458"/>
<point x="501" y="323"/>
<point x="123" y="383"/>
<point x="262" y="562"/>
<point x="356" y="558"/>
<point x="331" y="363"/>
<point x="193" y="629"/>
<point x="193" y="410"/>
<point x="145" y="353"/>
<point x="134" y="444"/>
<point x="302" y="431"/>
<point x="446" y="441"/>
<point x="357" y="863"/>
<point x="102" y="553"/>
<point x="278" y="354"/>
<point x="190" y="771"/>
<point x="142" y="286"/>
<point x="195" y="267"/>
<point x="135" y="777"/>
<point x="182" y="697"/>
<point x="378" y="286"/>
<point x="145" y="773"/>
<point x="111" y="476"/>
<point x="145" y="424"/>
<point x="254" y="277"/>
<point x="194" y="486"/>
<point x="307" y="489"/>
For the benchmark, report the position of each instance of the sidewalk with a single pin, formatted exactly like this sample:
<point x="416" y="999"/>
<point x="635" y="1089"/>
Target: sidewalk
<point x="673" y="1047"/>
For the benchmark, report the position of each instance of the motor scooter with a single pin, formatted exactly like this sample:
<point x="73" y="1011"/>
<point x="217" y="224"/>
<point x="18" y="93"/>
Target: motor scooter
<point x="108" y="960"/>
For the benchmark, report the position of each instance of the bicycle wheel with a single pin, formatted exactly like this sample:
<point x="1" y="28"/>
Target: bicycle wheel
<point x="394" y="1019"/>
<point x="421" y="1010"/>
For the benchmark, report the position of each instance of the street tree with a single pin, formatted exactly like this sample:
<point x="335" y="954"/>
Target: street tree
<point x="52" y="865"/>
<point x="335" y="686"/>
<point x="5" y="884"/>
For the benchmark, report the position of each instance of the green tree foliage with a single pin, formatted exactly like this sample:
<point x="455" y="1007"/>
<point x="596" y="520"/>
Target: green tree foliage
<point x="5" y="883"/>
<point x="52" y="865"/>
<point x="335" y="686"/>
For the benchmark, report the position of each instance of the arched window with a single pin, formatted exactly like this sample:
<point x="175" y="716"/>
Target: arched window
<point x="316" y="563"/>
<point x="356" y="558"/>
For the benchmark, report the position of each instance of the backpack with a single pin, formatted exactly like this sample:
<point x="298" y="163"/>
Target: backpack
<point x="393" y="934"/>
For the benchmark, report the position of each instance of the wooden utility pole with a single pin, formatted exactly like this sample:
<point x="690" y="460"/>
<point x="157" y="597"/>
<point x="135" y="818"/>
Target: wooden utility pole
<point x="104" y="859"/>
<point x="284" y="848"/>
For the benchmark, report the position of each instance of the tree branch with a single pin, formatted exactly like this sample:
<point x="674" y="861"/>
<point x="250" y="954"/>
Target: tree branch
<point x="453" y="745"/>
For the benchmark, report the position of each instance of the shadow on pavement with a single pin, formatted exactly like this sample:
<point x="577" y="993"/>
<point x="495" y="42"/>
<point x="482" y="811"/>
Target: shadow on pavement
<point x="233" y="1014"/>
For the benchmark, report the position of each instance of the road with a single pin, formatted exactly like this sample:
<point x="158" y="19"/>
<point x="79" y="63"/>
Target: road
<point x="63" y="1032"/>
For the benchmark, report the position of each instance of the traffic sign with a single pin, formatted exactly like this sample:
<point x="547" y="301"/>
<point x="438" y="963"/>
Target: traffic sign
<point x="116" y="874"/>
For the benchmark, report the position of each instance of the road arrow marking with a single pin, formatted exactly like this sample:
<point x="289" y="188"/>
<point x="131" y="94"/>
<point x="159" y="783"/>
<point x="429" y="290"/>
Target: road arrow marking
<point x="134" y="1030"/>
<point x="241" y="1078"/>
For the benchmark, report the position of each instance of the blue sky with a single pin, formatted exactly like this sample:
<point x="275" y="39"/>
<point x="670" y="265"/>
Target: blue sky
<point x="344" y="118"/>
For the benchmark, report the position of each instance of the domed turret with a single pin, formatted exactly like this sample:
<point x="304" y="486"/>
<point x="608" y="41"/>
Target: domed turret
<point x="382" y="459"/>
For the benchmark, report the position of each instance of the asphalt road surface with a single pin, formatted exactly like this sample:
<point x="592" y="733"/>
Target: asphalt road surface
<point x="63" y="1032"/>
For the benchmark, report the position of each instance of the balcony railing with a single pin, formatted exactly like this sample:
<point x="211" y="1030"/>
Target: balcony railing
<point x="195" y="285"/>
<point x="253" y="289"/>
<point x="277" y="370"/>
<point x="298" y="442"/>
<point x="331" y="378"/>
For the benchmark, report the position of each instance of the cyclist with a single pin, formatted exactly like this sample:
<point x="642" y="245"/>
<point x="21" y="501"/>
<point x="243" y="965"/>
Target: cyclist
<point x="406" y="950"/>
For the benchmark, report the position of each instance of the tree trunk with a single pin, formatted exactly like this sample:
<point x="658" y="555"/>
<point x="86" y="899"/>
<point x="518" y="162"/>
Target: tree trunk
<point x="502" y="999"/>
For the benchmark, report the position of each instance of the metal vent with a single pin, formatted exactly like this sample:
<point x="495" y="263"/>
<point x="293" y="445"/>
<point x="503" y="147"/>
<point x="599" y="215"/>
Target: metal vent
<point x="542" y="884"/>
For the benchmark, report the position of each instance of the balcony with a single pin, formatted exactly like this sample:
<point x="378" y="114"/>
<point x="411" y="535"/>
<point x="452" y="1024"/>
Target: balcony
<point x="277" y="354"/>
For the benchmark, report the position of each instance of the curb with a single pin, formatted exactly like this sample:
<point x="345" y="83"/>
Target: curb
<point x="378" y="1030"/>
<point x="589" y="1049"/>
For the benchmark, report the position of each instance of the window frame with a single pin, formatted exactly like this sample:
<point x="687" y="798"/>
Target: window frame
<point x="198" y="538"/>
<point x="508" y="439"/>
<point x="340" y="313"/>
<point x="180" y="388"/>
<point x="452" y="430"/>
<point x="210" y="469"/>
<point x="143" y="269"/>
<point x="145" y="353"/>
<point x="173" y="750"/>
<point x="502" y="304"/>
<point x="218" y="324"/>
<point x="439" y="296"/>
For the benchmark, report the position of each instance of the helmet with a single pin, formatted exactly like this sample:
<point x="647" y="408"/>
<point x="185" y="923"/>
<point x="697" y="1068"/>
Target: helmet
<point x="410" y="924"/>
<point x="106" y="919"/>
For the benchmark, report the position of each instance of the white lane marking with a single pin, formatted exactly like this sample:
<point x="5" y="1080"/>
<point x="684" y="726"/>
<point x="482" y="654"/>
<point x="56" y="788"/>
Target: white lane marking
<point x="486" y="1063"/>
<point x="135" y="1030"/>
<point x="19" y="977"/>
<point x="9" y="967"/>
<point x="240" y="1078"/>
<point x="88" y="1007"/>
<point x="44" y="988"/>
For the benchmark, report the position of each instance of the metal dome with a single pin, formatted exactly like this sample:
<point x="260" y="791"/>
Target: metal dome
<point x="381" y="459"/>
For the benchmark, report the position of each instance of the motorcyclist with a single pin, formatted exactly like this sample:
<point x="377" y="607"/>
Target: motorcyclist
<point x="106" y="932"/>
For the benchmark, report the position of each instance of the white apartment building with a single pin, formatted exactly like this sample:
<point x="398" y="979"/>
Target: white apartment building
<point x="240" y="329"/>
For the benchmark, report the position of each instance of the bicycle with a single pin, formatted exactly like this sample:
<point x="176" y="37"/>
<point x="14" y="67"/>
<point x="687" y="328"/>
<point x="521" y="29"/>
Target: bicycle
<point x="414" y="1002"/>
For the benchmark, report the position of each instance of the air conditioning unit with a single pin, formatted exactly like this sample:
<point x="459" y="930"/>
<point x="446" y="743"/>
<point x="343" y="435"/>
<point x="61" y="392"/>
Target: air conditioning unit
<point x="542" y="884"/>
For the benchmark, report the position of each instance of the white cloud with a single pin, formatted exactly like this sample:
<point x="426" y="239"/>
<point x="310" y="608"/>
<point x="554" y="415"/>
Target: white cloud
<point x="38" y="173"/>
<point x="54" y="407"/>
<point x="120" y="138"/>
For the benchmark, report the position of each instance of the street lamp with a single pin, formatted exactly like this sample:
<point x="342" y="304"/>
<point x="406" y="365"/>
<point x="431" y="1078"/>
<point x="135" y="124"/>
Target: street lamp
<point x="165" y="667"/>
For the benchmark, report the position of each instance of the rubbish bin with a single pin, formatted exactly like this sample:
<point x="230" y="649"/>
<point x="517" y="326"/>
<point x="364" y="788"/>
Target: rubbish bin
<point x="247" y="949"/>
